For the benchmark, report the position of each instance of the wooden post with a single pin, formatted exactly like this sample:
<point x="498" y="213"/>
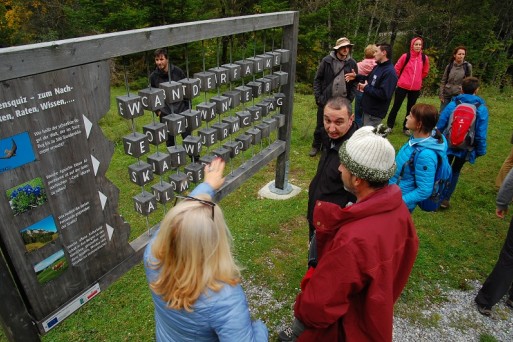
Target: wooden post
<point x="290" y="35"/>
<point x="16" y="321"/>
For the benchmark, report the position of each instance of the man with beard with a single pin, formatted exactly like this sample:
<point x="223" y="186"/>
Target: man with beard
<point x="330" y="81"/>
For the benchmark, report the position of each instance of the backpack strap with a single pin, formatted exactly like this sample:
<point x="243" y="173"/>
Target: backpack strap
<point x="411" y="163"/>
<point x="408" y="55"/>
<point x="413" y="160"/>
<point x="451" y="119"/>
<point x="449" y="67"/>
<point x="477" y="104"/>
<point x="405" y="62"/>
<point x="465" y="69"/>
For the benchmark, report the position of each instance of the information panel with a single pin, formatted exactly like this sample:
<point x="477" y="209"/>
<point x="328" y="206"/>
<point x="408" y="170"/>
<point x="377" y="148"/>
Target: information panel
<point x="59" y="226"/>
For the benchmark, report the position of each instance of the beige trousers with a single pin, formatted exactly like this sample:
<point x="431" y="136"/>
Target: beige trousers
<point x="503" y="172"/>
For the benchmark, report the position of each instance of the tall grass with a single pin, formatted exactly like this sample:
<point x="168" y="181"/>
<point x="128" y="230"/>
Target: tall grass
<point x="456" y="245"/>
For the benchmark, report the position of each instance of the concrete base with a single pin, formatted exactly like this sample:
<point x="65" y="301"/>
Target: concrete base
<point x="272" y="192"/>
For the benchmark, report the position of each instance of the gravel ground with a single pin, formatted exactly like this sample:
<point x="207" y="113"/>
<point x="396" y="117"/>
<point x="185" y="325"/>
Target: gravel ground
<point x="458" y="321"/>
<point x="455" y="320"/>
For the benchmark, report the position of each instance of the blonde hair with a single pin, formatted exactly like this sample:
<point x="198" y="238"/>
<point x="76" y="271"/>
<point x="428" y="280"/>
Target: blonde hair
<point x="193" y="254"/>
<point x="369" y="50"/>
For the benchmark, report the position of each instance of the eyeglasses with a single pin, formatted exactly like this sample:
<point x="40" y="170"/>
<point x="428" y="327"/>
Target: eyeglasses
<point x="210" y="204"/>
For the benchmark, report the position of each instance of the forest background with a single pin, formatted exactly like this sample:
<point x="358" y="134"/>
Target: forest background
<point x="484" y="27"/>
<point x="458" y="247"/>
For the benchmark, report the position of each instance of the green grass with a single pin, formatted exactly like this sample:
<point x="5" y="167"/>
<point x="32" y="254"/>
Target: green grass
<point x="487" y="338"/>
<point x="456" y="245"/>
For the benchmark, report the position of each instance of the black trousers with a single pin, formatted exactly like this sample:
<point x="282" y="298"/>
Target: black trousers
<point x="171" y="141"/>
<point x="501" y="278"/>
<point x="319" y="128"/>
<point x="456" y="166"/>
<point x="399" y="96"/>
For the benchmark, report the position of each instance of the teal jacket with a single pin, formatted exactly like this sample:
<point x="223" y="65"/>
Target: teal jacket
<point x="417" y="185"/>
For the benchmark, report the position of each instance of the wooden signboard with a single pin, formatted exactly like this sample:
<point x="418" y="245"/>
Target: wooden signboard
<point x="61" y="239"/>
<point x="59" y="210"/>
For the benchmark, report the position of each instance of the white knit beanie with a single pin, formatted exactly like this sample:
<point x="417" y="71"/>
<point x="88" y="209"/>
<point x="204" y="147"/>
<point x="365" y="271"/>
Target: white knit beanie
<point x="368" y="155"/>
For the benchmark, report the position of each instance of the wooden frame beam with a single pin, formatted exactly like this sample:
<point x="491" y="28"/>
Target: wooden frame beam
<point x="32" y="59"/>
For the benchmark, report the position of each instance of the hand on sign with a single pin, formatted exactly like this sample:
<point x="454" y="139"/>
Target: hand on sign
<point x="214" y="173"/>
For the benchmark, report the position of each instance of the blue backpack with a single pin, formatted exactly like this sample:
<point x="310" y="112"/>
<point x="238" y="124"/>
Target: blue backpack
<point x="443" y="176"/>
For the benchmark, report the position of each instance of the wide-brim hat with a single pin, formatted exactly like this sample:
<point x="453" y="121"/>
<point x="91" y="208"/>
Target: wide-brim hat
<point x="342" y="42"/>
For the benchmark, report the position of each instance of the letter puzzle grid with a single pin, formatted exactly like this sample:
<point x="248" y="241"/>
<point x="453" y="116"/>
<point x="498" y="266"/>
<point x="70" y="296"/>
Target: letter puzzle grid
<point x="246" y="114"/>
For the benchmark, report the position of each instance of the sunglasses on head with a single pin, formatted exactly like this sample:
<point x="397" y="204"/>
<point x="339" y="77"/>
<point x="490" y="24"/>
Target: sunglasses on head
<point x="210" y="204"/>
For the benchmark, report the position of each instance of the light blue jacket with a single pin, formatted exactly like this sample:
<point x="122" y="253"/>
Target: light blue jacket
<point x="418" y="185"/>
<point x="216" y="316"/>
<point x="481" y="126"/>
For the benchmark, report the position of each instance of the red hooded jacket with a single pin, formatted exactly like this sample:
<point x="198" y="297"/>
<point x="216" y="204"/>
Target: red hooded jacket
<point x="414" y="71"/>
<point x="365" y="255"/>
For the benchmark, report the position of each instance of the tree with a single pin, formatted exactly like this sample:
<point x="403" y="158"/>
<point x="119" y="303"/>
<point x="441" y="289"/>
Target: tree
<point x="485" y="27"/>
<point x="15" y="13"/>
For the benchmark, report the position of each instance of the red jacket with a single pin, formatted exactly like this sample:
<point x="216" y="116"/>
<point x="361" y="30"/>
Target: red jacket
<point x="365" y="252"/>
<point x="414" y="71"/>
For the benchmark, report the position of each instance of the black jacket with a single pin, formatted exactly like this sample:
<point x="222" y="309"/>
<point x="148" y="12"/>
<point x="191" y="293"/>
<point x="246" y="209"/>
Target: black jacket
<point x="325" y="75"/>
<point x="158" y="76"/>
<point x="327" y="184"/>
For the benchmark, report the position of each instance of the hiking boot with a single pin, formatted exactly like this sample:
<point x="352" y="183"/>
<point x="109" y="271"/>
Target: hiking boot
<point x="484" y="310"/>
<point x="313" y="152"/>
<point x="286" y="335"/>
<point x="445" y="204"/>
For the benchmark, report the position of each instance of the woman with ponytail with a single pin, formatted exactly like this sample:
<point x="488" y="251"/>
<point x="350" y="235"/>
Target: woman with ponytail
<point x="416" y="175"/>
